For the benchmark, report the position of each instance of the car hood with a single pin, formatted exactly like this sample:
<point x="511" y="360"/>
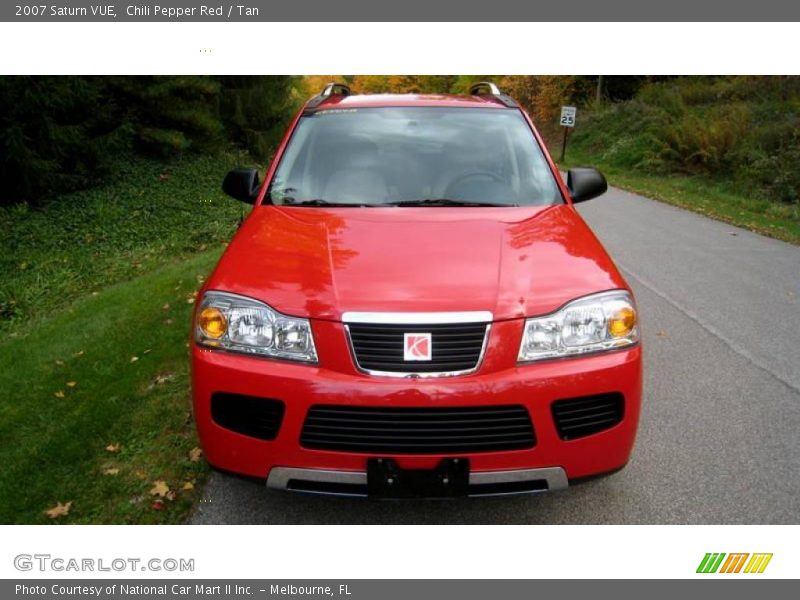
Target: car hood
<point x="320" y="262"/>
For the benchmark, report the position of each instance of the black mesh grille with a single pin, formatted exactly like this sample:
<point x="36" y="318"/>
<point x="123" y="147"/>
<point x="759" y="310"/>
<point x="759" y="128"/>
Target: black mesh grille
<point x="454" y="347"/>
<point x="400" y="430"/>
<point x="257" y="417"/>
<point x="579" y="417"/>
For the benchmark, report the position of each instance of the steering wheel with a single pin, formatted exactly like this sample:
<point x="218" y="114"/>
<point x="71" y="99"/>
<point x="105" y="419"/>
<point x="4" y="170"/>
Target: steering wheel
<point x="478" y="175"/>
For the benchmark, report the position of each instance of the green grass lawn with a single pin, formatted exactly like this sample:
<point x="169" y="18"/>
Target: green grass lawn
<point x="94" y="375"/>
<point x="708" y="197"/>
<point x="125" y="350"/>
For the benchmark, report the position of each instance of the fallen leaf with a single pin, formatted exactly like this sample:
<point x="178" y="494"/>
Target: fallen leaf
<point x="60" y="363"/>
<point x="134" y="359"/>
<point x="171" y="495"/>
<point x="72" y="384"/>
<point x="59" y="510"/>
<point x="190" y="301"/>
<point x="163" y="177"/>
<point x="661" y="333"/>
<point x="111" y="471"/>
<point x="160" y="489"/>
<point x="157" y="505"/>
<point x="166" y="306"/>
<point x="59" y="394"/>
<point x="195" y="454"/>
<point x="140" y="474"/>
<point x="113" y="448"/>
<point x="168" y="322"/>
<point x="78" y="354"/>
<point x="163" y="378"/>
<point x="148" y="351"/>
<point x="188" y="486"/>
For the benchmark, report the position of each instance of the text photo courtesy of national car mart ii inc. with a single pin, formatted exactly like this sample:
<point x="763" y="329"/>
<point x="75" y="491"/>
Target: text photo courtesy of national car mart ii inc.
<point x="157" y="11"/>
<point x="176" y="589"/>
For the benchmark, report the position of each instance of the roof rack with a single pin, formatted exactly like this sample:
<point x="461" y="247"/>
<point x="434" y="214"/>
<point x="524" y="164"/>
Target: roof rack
<point x="487" y="88"/>
<point x="475" y="88"/>
<point x="328" y="90"/>
<point x="332" y="89"/>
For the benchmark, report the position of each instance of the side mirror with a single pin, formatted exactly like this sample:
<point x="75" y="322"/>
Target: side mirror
<point x="241" y="184"/>
<point x="585" y="183"/>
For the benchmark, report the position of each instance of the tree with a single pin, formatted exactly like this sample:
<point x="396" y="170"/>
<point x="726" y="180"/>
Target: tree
<point x="52" y="135"/>
<point x="255" y="110"/>
<point x="59" y="134"/>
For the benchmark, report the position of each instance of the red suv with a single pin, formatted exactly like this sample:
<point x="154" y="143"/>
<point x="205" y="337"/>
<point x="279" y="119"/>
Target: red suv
<point x="415" y="308"/>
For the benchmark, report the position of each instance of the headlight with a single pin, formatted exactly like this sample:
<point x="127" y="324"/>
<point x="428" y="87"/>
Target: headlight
<point x="240" y="324"/>
<point x="599" y="322"/>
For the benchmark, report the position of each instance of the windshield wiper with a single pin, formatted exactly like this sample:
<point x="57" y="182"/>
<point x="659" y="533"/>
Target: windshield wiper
<point x="445" y="202"/>
<point x="289" y="201"/>
<point x="317" y="202"/>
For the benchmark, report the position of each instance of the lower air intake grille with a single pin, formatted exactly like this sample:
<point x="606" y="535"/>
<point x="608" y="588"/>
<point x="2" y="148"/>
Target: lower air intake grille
<point x="257" y="417"/>
<point x="579" y="417"/>
<point x="399" y="430"/>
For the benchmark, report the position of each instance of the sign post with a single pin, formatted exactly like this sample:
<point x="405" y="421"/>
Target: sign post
<point x="567" y="122"/>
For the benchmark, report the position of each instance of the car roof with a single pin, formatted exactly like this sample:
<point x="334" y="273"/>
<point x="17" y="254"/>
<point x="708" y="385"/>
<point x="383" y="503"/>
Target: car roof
<point x="341" y="101"/>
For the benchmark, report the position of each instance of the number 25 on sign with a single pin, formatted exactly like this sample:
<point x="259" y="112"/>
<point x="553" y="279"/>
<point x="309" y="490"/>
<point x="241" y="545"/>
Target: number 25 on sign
<point x="567" y="121"/>
<point x="568" y="116"/>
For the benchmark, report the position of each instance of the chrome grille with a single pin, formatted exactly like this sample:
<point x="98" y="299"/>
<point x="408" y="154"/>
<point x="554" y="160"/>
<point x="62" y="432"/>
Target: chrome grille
<point x="456" y="348"/>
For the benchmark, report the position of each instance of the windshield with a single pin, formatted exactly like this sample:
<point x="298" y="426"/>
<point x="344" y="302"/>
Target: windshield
<point x="413" y="156"/>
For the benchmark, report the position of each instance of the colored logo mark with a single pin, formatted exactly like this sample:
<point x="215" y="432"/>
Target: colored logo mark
<point x="417" y="346"/>
<point x="719" y="562"/>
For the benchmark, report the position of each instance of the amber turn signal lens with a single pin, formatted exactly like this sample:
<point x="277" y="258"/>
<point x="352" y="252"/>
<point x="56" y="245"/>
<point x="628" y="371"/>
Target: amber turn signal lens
<point x="213" y="323"/>
<point x="622" y="322"/>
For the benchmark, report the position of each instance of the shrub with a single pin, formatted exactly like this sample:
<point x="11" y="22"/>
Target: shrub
<point x="743" y="131"/>
<point x="60" y="134"/>
<point x="256" y="110"/>
<point x="51" y="136"/>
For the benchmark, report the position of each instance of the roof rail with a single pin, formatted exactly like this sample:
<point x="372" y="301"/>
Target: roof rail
<point x="484" y="88"/>
<point x="328" y="90"/>
<point x="475" y="88"/>
<point x="332" y="89"/>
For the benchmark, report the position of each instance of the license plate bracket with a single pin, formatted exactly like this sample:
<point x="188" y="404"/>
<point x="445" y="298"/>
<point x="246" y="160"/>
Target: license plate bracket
<point x="386" y="479"/>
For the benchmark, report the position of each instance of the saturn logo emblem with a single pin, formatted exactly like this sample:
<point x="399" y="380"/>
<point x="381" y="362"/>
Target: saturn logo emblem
<point x="417" y="346"/>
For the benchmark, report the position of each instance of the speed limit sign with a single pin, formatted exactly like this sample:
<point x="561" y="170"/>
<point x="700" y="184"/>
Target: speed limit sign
<point x="567" y="122"/>
<point x="568" y="116"/>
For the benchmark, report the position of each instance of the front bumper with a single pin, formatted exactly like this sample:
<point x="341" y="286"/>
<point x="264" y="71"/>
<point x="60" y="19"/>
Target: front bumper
<point x="335" y="381"/>
<point x="481" y="483"/>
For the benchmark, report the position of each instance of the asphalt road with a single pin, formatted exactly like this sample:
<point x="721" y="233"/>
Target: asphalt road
<point x="719" y="439"/>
